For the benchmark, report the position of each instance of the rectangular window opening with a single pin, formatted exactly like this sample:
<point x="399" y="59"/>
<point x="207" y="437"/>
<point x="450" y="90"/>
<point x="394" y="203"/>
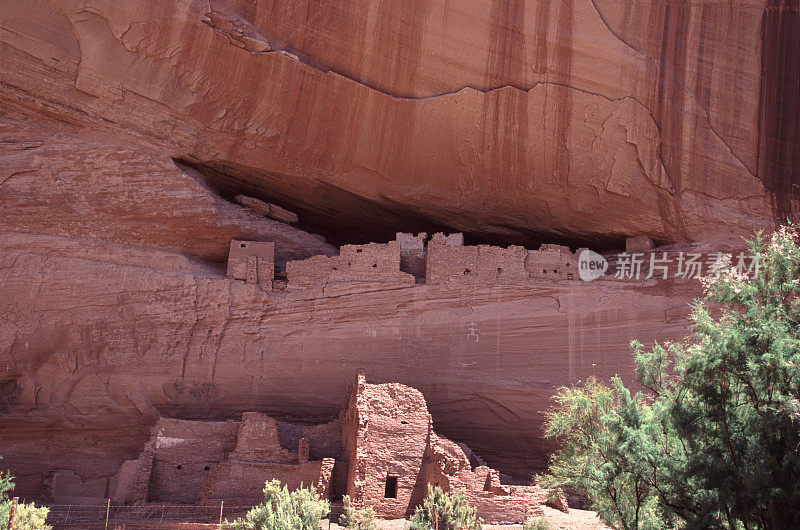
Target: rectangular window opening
<point x="390" y="491"/>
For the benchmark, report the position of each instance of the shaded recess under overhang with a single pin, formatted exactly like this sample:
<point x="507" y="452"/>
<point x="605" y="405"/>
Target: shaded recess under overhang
<point x="344" y="217"/>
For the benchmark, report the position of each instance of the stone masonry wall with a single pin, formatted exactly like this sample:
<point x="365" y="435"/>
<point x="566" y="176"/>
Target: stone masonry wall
<point x="388" y="436"/>
<point x="390" y="456"/>
<point x="412" y="253"/>
<point x="188" y="461"/>
<point x="385" y="435"/>
<point x="185" y="450"/>
<point x="447" y="466"/>
<point x="552" y="261"/>
<point x="243" y="481"/>
<point x="491" y="265"/>
<point x="475" y="265"/>
<point x="252" y="261"/>
<point x="372" y="262"/>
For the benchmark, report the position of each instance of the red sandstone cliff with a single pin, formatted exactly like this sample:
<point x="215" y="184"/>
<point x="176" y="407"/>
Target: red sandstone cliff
<point x="127" y="128"/>
<point x="580" y="119"/>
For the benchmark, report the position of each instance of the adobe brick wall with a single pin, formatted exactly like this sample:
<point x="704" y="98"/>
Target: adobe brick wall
<point x="412" y="253"/>
<point x="385" y="435"/>
<point x="491" y="265"/>
<point x="552" y="261"/>
<point x="184" y="452"/>
<point x="252" y="456"/>
<point x="257" y="440"/>
<point x="452" y="240"/>
<point x="315" y="270"/>
<point x="372" y="262"/>
<point x="447" y="466"/>
<point x="253" y="262"/>
<point x="243" y="481"/>
<point x="475" y="265"/>
<point x="446" y="264"/>
<point x="219" y="460"/>
<point x="132" y="483"/>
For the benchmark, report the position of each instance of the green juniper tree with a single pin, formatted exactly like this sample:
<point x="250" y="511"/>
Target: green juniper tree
<point x="28" y="516"/>
<point x="713" y="439"/>
<point x="354" y="518"/>
<point x="282" y="509"/>
<point x="451" y="511"/>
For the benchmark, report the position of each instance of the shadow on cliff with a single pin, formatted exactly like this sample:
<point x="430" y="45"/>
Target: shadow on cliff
<point x="343" y="217"/>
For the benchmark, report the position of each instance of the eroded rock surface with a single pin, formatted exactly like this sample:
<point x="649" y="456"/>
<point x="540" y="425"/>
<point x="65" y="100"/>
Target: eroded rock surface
<point x="583" y="120"/>
<point x="128" y="128"/>
<point x="99" y="339"/>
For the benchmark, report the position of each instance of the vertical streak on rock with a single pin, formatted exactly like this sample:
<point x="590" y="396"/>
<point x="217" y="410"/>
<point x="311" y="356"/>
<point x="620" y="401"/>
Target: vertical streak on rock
<point x="779" y="104"/>
<point x="541" y="26"/>
<point x="403" y="25"/>
<point x="506" y="59"/>
<point x="670" y="92"/>
<point x="563" y="76"/>
<point x="506" y="111"/>
<point x="671" y="22"/>
<point x="702" y="84"/>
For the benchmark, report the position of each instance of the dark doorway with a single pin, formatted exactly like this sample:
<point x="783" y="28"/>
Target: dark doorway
<point x="391" y="488"/>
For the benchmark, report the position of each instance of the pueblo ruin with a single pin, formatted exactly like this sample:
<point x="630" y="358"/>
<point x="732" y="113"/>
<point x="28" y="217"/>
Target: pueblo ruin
<point x="411" y="259"/>
<point x="381" y="450"/>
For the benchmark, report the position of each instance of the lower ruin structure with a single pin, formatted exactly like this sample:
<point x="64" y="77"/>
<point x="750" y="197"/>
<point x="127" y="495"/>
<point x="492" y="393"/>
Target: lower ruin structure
<point x="382" y="451"/>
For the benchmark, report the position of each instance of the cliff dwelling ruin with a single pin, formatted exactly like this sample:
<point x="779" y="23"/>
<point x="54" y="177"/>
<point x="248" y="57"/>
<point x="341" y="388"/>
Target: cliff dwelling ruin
<point x="439" y="260"/>
<point x="382" y="451"/>
<point x="408" y="259"/>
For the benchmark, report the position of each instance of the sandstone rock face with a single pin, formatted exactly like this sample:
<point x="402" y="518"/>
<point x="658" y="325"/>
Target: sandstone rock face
<point x="128" y="128"/>
<point x="91" y="348"/>
<point x="583" y="120"/>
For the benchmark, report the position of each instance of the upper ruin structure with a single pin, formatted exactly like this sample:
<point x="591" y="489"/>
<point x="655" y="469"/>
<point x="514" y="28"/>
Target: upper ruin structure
<point x="409" y="259"/>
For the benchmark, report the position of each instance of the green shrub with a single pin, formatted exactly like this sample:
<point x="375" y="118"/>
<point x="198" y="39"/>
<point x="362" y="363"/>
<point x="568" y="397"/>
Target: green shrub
<point x="27" y="516"/>
<point x="712" y="441"/>
<point x="284" y="510"/>
<point x="452" y="512"/>
<point x="30" y="517"/>
<point x="536" y="523"/>
<point x="363" y="519"/>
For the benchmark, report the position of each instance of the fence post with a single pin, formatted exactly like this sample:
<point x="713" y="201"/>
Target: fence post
<point x="435" y="518"/>
<point x="12" y="513"/>
<point x="108" y="507"/>
<point x="221" y="504"/>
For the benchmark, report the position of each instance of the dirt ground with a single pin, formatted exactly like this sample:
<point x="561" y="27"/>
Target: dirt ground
<point x="574" y="520"/>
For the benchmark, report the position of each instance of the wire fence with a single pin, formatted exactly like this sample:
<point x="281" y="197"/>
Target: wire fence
<point x="151" y="515"/>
